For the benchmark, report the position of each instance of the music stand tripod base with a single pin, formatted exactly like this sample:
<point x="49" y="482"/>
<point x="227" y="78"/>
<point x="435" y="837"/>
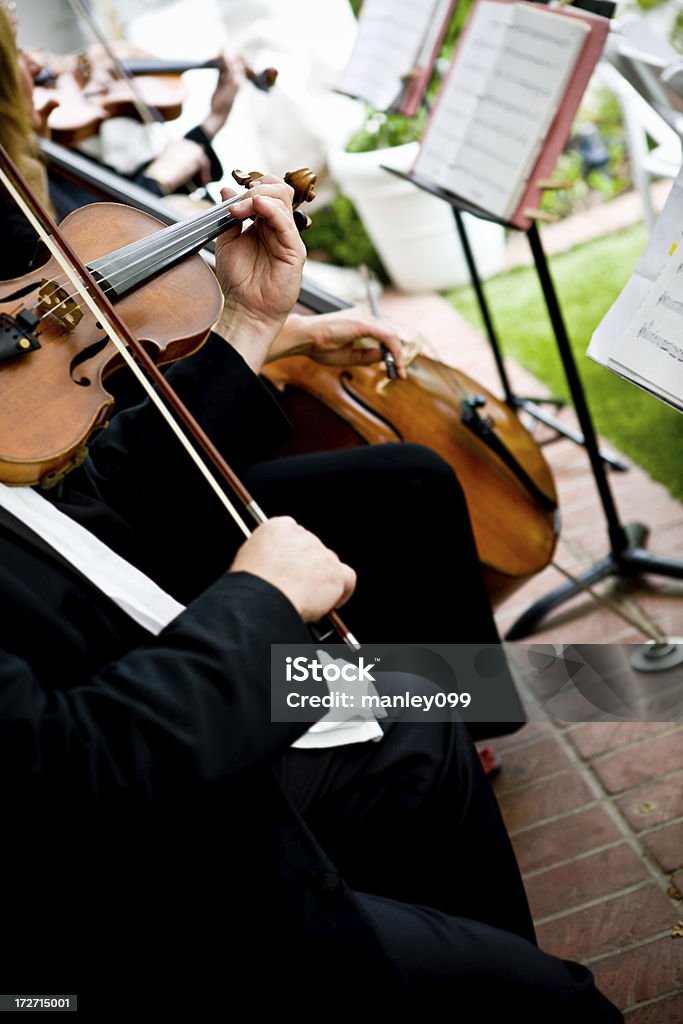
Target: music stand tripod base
<point x="623" y="562"/>
<point x="659" y="656"/>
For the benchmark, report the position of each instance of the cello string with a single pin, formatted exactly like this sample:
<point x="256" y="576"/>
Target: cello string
<point x="123" y="351"/>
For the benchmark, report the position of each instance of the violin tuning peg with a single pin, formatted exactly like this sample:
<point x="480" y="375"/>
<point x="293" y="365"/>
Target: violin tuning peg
<point x="302" y="220"/>
<point x="264" y="80"/>
<point x="303" y="182"/>
<point x="246" y="178"/>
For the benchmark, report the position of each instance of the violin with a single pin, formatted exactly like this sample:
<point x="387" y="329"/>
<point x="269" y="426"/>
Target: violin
<point x="54" y="354"/>
<point x="81" y="92"/>
<point x="98" y="283"/>
<point x="507" y="482"/>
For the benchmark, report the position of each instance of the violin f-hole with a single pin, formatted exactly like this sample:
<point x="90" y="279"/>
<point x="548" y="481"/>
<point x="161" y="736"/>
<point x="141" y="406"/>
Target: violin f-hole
<point x="87" y="353"/>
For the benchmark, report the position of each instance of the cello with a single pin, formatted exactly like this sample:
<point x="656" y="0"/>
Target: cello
<point x="509" y="488"/>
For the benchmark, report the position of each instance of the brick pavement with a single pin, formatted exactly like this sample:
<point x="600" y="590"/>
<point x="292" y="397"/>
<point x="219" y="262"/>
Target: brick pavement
<point x="595" y="811"/>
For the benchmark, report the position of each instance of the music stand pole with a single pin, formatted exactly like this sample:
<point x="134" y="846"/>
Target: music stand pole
<point x="529" y="405"/>
<point x="626" y="557"/>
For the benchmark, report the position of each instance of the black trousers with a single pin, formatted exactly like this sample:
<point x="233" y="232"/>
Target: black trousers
<point x="415" y="830"/>
<point x="397" y="514"/>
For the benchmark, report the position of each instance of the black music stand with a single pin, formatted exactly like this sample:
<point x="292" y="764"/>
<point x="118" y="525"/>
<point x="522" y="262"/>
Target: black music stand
<point x="626" y="556"/>
<point x="529" y="405"/>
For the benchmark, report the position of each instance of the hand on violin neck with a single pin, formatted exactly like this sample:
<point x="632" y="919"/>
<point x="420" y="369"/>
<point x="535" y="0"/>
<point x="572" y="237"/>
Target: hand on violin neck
<point x="259" y="269"/>
<point x="230" y="78"/>
<point x="295" y="561"/>
<point x="333" y="339"/>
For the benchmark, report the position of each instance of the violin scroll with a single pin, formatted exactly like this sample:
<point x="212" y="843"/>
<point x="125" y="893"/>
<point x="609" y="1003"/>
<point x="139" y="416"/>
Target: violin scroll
<point x="302" y="181"/>
<point x="263" y="80"/>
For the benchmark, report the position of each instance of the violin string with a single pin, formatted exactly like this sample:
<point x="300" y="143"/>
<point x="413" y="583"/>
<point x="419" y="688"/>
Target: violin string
<point x="117" y="256"/>
<point x="150" y="255"/>
<point x="112" y="283"/>
<point x="122" y="348"/>
<point x="130" y="254"/>
<point x="177" y="241"/>
<point x="71" y="297"/>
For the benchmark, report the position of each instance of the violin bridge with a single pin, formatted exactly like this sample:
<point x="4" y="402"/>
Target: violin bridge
<point x="412" y="349"/>
<point x="56" y="300"/>
<point x="83" y="69"/>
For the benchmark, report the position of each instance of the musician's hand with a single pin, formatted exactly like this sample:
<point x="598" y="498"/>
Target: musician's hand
<point x="297" y="563"/>
<point x="230" y="78"/>
<point x="259" y="269"/>
<point x="181" y="162"/>
<point x="332" y="338"/>
<point x="39" y="114"/>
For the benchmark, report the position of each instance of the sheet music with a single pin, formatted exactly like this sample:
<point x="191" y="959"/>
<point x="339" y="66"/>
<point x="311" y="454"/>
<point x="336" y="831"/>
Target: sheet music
<point x="651" y="347"/>
<point x="435" y="28"/>
<point x="645" y="358"/>
<point x="498" y="103"/>
<point x="393" y="36"/>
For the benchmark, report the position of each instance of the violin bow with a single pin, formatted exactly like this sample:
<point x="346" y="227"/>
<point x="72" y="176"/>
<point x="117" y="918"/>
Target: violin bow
<point x="143" y="366"/>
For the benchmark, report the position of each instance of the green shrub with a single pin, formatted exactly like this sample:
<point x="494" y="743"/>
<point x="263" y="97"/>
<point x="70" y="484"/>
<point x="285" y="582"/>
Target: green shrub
<point x="589" y="188"/>
<point x="383" y="130"/>
<point x="338" y="235"/>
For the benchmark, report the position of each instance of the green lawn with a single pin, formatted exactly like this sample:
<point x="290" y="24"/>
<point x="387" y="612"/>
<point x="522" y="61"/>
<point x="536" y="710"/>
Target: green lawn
<point x="588" y="280"/>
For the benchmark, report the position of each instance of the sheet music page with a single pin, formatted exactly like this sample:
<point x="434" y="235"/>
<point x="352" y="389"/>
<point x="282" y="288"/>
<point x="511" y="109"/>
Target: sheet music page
<point x="668" y="232"/>
<point x="433" y="31"/>
<point x="498" y="103"/>
<point x="391" y="37"/>
<point x="651" y="347"/>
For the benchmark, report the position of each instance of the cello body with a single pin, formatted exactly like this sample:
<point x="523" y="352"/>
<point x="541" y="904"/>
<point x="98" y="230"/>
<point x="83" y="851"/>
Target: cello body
<point x="341" y="407"/>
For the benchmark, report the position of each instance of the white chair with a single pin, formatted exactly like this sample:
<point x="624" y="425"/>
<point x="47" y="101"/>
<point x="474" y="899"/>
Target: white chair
<point x="644" y="71"/>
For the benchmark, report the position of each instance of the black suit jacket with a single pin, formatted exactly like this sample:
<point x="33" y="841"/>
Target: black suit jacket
<point x="139" y="810"/>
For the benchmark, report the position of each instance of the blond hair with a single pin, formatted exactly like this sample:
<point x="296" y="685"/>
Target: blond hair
<point x="16" y="128"/>
<point x="16" y="114"/>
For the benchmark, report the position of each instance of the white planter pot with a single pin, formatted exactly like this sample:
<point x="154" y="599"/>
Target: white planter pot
<point x="413" y="231"/>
